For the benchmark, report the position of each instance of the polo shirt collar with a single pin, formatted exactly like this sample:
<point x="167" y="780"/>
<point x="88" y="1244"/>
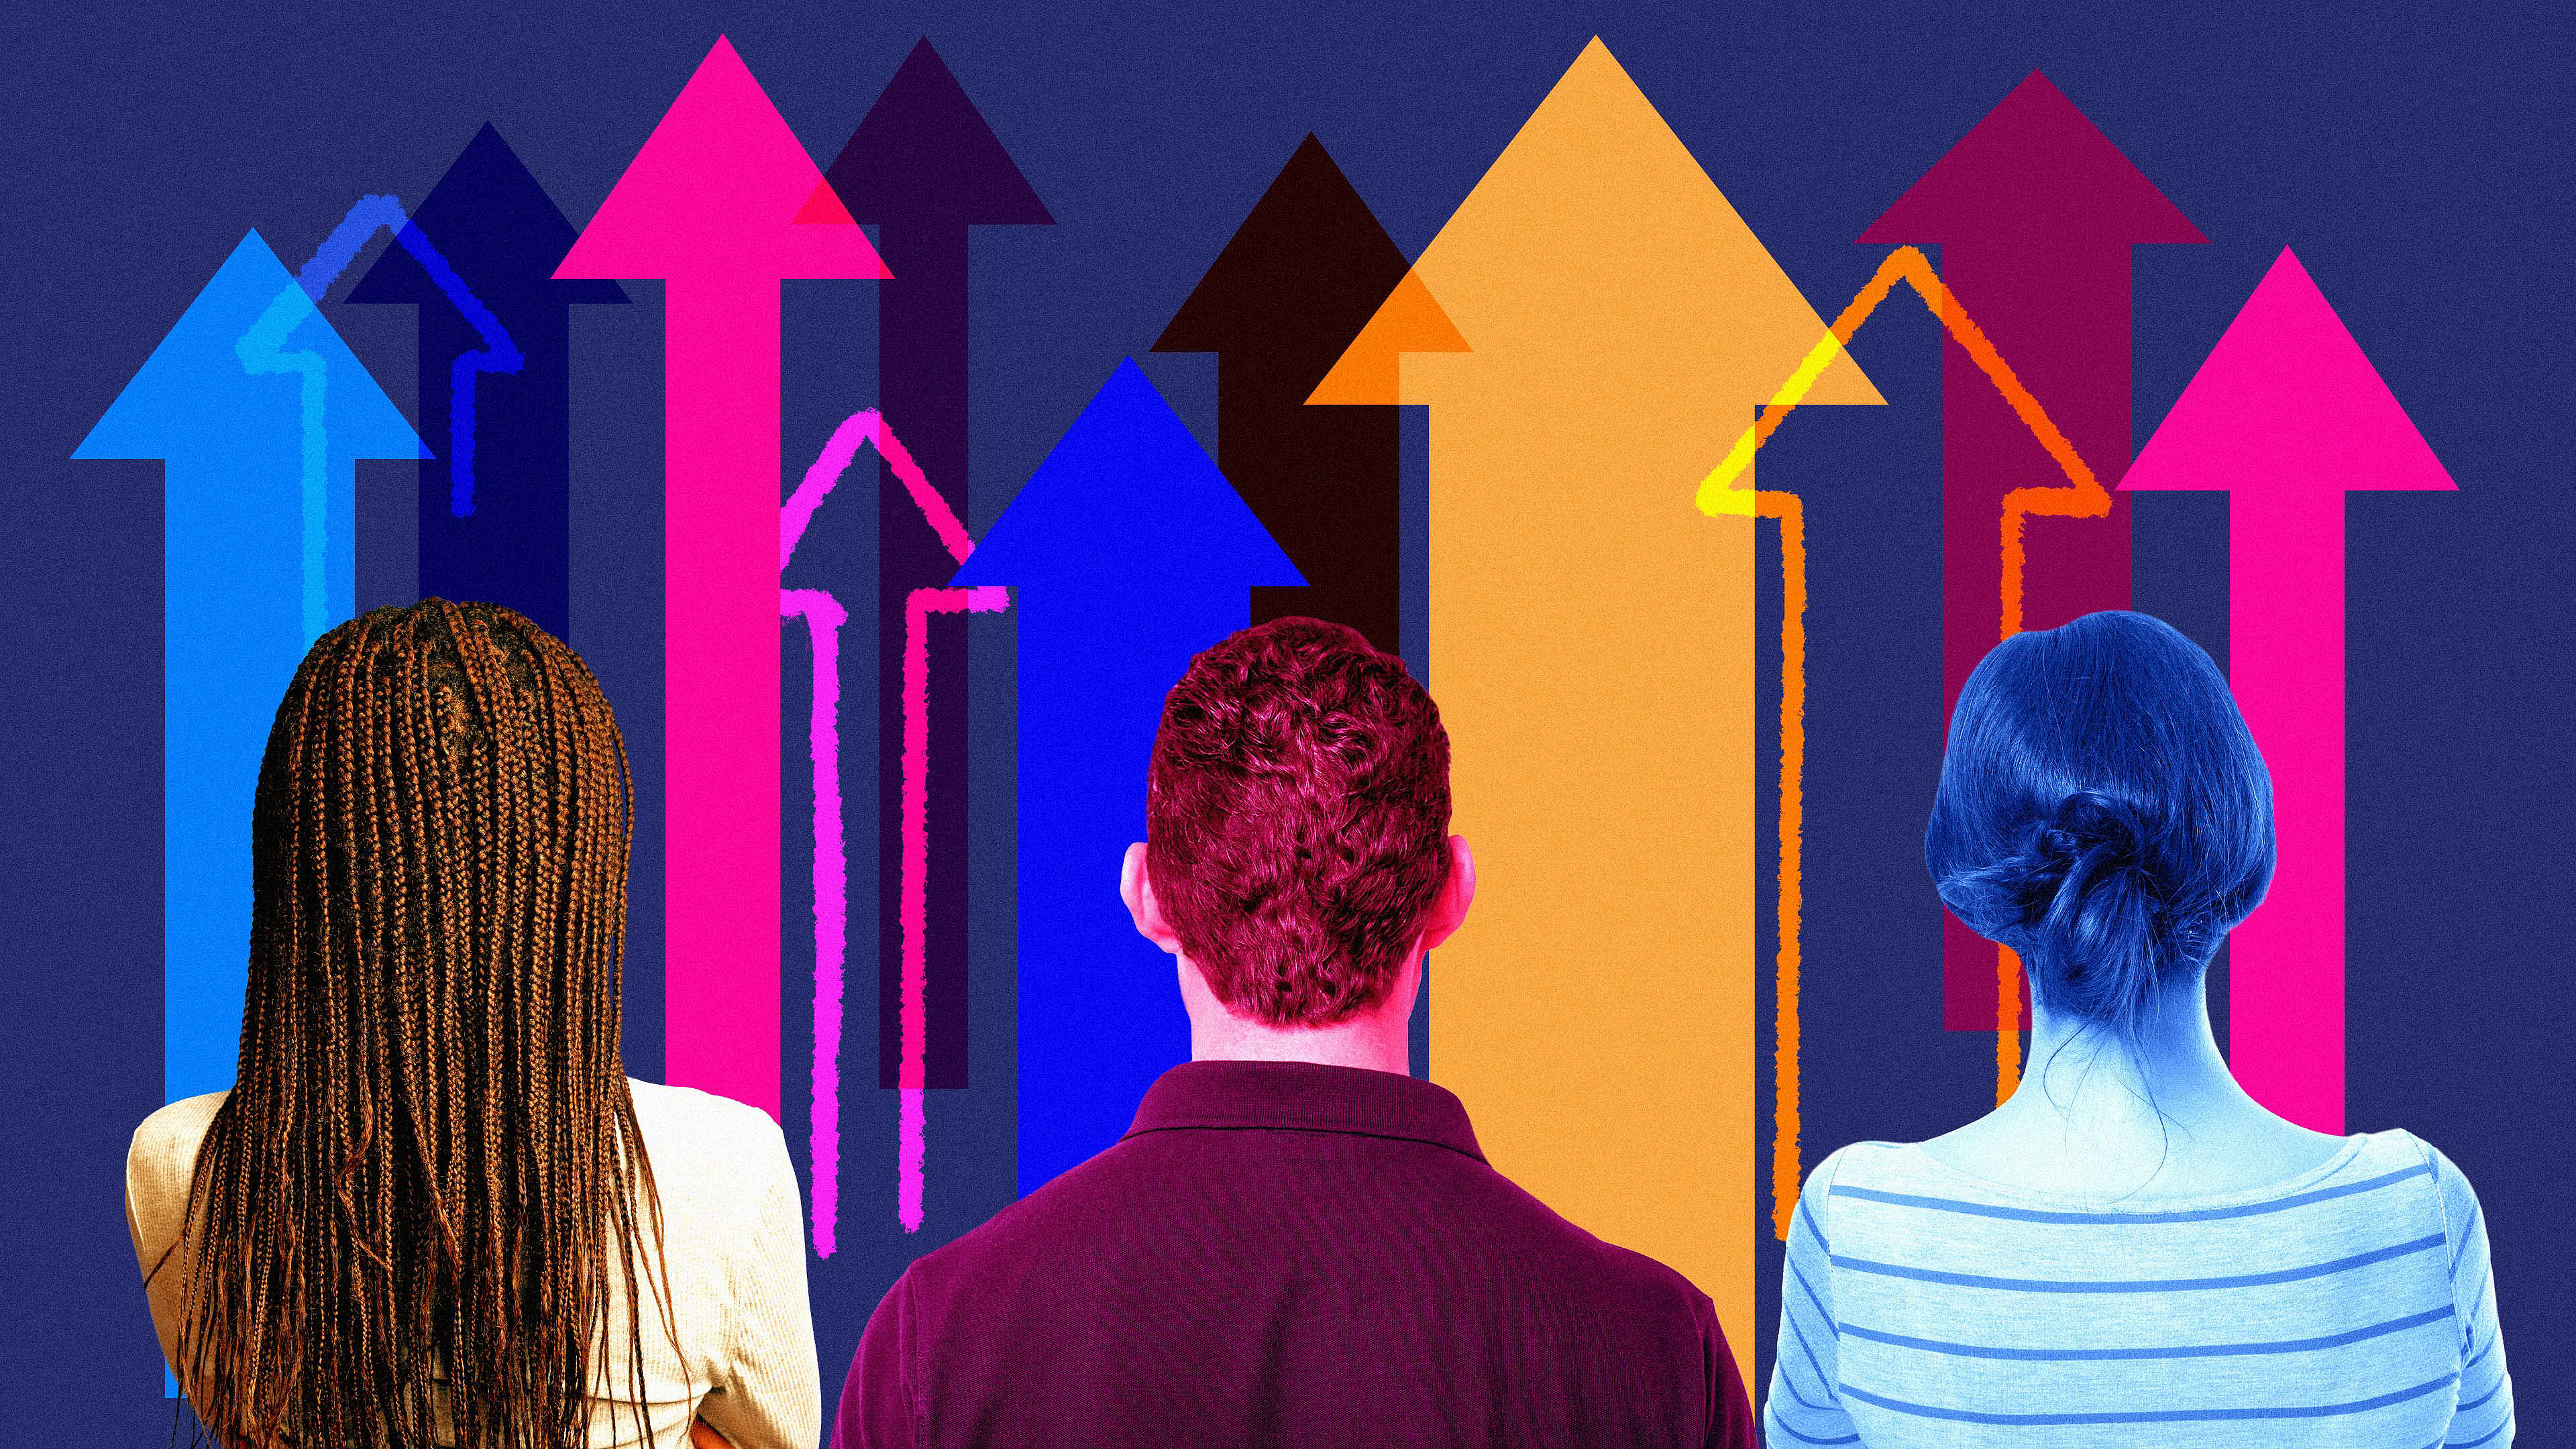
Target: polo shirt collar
<point x="1305" y="1097"/>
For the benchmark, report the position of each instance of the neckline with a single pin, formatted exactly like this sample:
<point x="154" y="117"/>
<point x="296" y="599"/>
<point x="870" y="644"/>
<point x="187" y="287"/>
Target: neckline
<point x="1227" y="1093"/>
<point x="2335" y="1162"/>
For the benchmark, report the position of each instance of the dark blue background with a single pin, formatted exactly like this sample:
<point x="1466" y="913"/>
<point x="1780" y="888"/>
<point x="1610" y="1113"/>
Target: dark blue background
<point x="2419" y="167"/>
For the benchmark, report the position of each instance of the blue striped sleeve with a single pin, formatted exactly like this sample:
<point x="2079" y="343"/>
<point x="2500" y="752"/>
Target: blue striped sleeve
<point x="2483" y="1415"/>
<point x="1805" y="1404"/>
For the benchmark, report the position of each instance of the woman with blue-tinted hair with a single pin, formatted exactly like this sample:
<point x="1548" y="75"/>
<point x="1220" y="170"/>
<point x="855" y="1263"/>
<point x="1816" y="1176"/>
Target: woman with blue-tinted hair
<point x="2130" y="1250"/>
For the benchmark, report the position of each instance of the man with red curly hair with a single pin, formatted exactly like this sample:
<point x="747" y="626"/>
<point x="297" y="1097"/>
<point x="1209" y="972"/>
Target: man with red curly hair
<point x="1297" y="1242"/>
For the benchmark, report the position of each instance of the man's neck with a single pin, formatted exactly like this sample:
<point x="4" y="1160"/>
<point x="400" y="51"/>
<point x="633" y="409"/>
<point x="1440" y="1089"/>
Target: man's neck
<point x="1376" y="1039"/>
<point x="1355" y="1043"/>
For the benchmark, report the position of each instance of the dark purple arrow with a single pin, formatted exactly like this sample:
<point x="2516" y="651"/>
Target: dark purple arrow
<point x="2035" y="212"/>
<point x="496" y="226"/>
<point x="924" y="167"/>
<point x="1300" y="278"/>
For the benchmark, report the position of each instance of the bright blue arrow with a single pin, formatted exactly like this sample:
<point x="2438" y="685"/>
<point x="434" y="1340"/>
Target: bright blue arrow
<point x="1127" y="552"/>
<point x="234" y="618"/>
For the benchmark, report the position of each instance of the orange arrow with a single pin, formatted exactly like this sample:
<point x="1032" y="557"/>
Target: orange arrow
<point x="1602" y="313"/>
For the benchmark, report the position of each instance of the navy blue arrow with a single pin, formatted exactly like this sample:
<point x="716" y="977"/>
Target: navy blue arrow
<point x="503" y="532"/>
<point x="1127" y="552"/>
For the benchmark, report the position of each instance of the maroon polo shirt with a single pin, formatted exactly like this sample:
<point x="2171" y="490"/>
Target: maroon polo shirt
<point x="1286" y="1253"/>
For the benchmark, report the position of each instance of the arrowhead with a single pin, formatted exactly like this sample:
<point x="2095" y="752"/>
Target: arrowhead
<point x="195" y="398"/>
<point x="1595" y="259"/>
<point x="924" y="153"/>
<point x="1128" y="498"/>
<point x="1301" y="277"/>
<point x="2033" y="170"/>
<point x="2287" y="402"/>
<point x="496" y="227"/>
<point x="1370" y="370"/>
<point x="716" y="192"/>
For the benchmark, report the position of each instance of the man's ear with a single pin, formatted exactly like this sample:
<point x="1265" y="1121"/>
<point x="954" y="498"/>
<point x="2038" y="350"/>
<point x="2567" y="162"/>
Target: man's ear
<point x="1138" y="892"/>
<point x="1449" y="908"/>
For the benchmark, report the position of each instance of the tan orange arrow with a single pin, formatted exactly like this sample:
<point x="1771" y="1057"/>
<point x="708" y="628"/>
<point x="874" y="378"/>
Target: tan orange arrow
<point x="1604" y="324"/>
<point x="2082" y="496"/>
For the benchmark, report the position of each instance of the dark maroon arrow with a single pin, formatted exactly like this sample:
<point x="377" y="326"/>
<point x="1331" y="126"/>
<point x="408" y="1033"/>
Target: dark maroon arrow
<point x="2035" y="212"/>
<point x="924" y="166"/>
<point x="1300" y="278"/>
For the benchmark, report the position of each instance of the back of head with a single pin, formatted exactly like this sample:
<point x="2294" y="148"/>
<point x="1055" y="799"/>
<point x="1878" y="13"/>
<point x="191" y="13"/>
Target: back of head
<point x="427" y="1157"/>
<point x="1297" y="819"/>
<point x="2102" y="810"/>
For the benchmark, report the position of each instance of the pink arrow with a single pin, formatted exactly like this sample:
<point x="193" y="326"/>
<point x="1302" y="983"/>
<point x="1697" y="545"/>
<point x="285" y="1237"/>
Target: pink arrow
<point x="2287" y="415"/>
<point x="711" y="204"/>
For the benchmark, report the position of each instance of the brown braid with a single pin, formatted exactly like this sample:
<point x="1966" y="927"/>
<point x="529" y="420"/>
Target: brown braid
<point x="430" y="1155"/>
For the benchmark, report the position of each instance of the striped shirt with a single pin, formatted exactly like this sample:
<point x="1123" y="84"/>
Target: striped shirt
<point x="2350" y="1305"/>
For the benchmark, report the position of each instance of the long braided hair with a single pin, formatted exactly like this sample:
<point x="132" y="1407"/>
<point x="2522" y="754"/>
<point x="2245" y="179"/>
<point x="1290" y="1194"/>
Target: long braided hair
<point x="407" y="1214"/>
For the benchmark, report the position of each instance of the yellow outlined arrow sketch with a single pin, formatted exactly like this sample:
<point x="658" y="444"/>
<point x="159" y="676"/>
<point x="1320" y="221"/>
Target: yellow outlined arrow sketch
<point x="2083" y="497"/>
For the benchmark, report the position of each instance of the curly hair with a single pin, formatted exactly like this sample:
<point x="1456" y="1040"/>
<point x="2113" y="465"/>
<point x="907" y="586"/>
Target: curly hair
<point x="404" y="1219"/>
<point x="1297" y="819"/>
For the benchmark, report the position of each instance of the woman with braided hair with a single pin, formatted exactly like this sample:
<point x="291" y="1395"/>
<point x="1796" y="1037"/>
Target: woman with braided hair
<point x="429" y="1208"/>
<point x="2129" y="1250"/>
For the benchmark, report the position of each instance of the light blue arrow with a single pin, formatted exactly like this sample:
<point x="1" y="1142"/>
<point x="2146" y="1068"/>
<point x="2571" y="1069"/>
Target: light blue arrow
<point x="235" y="615"/>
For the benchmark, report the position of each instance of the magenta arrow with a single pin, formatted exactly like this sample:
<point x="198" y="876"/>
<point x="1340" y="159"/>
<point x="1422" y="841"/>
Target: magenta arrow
<point x="2035" y="212"/>
<point x="710" y="205"/>
<point x="2287" y="415"/>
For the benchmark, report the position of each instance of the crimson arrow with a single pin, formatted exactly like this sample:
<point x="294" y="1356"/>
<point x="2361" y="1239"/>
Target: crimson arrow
<point x="712" y="206"/>
<point x="2035" y="212"/>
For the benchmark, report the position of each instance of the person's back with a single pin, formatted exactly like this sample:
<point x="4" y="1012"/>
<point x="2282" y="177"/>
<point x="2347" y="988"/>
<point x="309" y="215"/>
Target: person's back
<point x="2349" y="1304"/>
<point x="1297" y="1242"/>
<point x="741" y="1353"/>
<point x="1290" y="1253"/>
<point x="2130" y="1249"/>
<point x="432" y="1208"/>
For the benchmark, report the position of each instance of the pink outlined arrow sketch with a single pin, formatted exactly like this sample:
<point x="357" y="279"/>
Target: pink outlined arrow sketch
<point x="823" y="617"/>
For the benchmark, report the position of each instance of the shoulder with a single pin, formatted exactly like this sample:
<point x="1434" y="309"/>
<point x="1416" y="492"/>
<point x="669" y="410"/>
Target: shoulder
<point x="1855" y="1165"/>
<point x="2398" y="1150"/>
<point x="164" y="1149"/>
<point x="719" y="1166"/>
<point x="699" y="1131"/>
<point x="1539" y="1242"/>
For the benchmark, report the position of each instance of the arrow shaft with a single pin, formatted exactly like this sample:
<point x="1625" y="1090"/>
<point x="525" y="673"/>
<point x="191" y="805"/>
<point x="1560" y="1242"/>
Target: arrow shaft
<point x="1099" y="1015"/>
<point x="922" y="381"/>
<point x="1603" y="764"/>
<point x="2286" y="668"/>
<point x="1327" y="483"/>
<point x="233" y="632"/>
<point x="512" y="543"/>
<point x="720" y="701"/>
<point x="2059" y="317"/>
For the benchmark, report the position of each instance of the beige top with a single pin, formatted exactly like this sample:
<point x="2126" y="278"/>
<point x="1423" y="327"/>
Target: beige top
<point x="736" y="1248"/>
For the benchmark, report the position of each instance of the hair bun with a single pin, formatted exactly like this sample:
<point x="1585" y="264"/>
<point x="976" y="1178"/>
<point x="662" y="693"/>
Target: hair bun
<point x="2088" y="824"/>
<point x="2081" y="902"/>
<point x="2114" y="891"/>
